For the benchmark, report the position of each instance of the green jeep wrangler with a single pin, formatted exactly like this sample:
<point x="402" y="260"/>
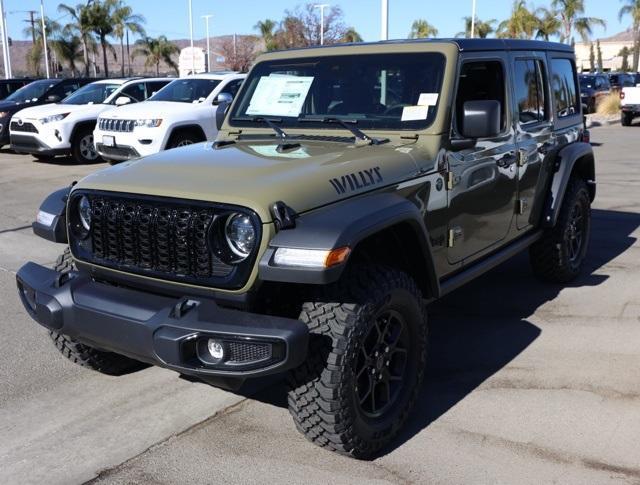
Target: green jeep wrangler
<point x="349" y="186"/>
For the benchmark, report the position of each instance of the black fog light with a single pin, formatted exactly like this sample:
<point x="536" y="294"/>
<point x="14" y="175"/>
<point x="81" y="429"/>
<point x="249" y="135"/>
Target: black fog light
<point x="57" y="134"/>
<point x="211" y="350"/>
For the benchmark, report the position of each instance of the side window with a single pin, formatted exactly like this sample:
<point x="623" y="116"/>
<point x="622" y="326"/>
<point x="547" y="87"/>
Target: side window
<point x="155" y="86"/>
<point x="136" y="91"/>
<point x="232" y="87"/>
<point x="529" y="86"/>
<point x="64" y="89"/>
<point x="482" y="80"/>
<point x="563" y="88"/>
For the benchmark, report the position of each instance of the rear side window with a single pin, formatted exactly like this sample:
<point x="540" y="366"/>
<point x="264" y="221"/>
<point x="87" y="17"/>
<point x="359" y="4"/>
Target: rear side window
<point x="563" y="88"/>
<point x="136" y="91"/>
<point x="529" y="87"/>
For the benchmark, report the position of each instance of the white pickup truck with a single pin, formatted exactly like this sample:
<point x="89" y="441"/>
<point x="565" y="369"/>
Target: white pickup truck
<point x="630" y="103"/>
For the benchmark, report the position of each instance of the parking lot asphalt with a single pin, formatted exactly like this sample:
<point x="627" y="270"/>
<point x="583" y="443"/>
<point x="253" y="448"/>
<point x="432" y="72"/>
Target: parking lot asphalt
<point x="527" y="382"/>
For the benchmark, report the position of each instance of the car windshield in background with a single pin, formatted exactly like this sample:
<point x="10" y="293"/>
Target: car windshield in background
<point x="381" y="91"/>
<point x="31" y="92"/>
<point x="93" y="93"/>
<point x="186" y="90"/>
<point x="587" y="81"/>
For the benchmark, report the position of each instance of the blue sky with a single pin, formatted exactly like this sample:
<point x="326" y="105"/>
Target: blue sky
<point x="170" y="17"/>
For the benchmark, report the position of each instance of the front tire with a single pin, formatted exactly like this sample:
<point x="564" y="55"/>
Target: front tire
<point x="366" y="361"/>
<point x="183" y="138"/>
<point x="82" y="354"/>
<point x="83" y="148"/>
<point x="626" y="119"/>
<point x="559" y="256"/>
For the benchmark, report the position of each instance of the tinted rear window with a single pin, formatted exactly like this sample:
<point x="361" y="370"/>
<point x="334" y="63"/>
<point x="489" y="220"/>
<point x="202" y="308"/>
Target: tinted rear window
<point x="563" y="88"/>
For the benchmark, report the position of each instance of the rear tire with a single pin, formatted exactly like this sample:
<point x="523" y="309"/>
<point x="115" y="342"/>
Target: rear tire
<point x="626" y="119"/>
<point x="558" y="257"/>
<point x="82" y="147"/>
<point x="365" y="364"/>
<point x="82" y="354"/>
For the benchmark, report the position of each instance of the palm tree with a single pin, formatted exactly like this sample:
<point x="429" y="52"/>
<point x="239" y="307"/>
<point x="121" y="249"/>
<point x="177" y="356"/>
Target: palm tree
<point x="124" y="21"/>
<point x="69" y="50"/>
<point x="99" y="16"/>
<point x="351" y="36"/>
<point x="548" y="24"/>
<point x="421" y="29"/>
<point x="156" y="50"/>
<point x="522" y="23"/>
<point x="482" y="29"/>
<point x="266" y="27"/>
<point x="632" y="8"/>
<point x="35" y="32"/>
<point x="570" y="11"/>
<point x="80" y="27"/>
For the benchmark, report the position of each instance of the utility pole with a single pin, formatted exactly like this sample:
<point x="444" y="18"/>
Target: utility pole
<point x="206" y="19"/>
<point x="321" y="6"/>
<point x="44" y="38"/>
<point x="384" y="15"/>
<point x="5" y="43"/>
<point x="473" y="19"/>
<point x="193" y="57"/>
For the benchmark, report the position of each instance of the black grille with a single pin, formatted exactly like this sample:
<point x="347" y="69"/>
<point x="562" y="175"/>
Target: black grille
<point x="242" y="353"/>
<point x="119" y="151"/>
<point x="163" y="238"/>
<point x="28" y="127"/>
<point x="107" y="124"/>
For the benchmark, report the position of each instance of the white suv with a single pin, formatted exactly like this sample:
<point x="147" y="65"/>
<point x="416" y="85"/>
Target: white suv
<point x="183" y="112"/>
<point x="67" y="127"/>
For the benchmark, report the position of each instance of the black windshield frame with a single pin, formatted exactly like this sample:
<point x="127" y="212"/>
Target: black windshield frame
<point x="356" y="81"/>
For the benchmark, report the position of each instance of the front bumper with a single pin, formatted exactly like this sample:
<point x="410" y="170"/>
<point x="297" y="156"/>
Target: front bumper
<point x="631" y="108"/>
<point x="119" y="152"/>
<point x="33" y="145"/>
<point x="162" y="330"/>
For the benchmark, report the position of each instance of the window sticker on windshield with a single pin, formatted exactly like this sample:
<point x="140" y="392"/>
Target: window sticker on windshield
<point x="280" y="95"/>
<point x="414" y="113"/>
<point x="428" y="99"/>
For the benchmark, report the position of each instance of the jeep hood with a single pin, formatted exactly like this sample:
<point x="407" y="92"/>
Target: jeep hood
<point x="255" y="174"/>
<point x="150" y="109"/>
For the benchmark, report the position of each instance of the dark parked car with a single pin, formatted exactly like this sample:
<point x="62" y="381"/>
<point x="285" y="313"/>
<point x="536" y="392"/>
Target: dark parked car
<point x="636" y="78"/>
<point x="592" y="88"/>
<point x="9" y="86"/>
<point x="38" y="92"/>
<point x="619" y="80"/>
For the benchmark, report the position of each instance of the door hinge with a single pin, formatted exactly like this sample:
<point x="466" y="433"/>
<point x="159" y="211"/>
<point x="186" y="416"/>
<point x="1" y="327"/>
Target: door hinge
<point x="522" y="158"/>
<point x="454" y="234"/>
<point x="521" y="206"/>
<point x="449" y="179"/>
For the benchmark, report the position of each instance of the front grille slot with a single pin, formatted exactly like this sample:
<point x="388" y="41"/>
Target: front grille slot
<point x="123" y="126"/>
<point x="155" y="237"/>
<point x="247" y="352"/>
<point x="26" y="127"/>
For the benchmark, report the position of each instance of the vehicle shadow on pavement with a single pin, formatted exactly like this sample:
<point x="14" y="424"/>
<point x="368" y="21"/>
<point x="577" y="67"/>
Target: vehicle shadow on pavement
<point x="480" y="328"/>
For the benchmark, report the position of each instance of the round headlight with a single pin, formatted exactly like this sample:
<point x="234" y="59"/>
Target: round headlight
<point x="84" y="211"/>
<point x="240" y="235"/>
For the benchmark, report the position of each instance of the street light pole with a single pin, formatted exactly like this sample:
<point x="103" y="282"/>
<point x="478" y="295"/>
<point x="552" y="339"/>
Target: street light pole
<point x="473" y="19"/>
<point x="384" y="17"/>
<point x="206" y="19"/>
<point x="321" y="6"/>
<point x="193" y="57"/>
<point x="44" y="38"/>
<point x="5" y="47"/>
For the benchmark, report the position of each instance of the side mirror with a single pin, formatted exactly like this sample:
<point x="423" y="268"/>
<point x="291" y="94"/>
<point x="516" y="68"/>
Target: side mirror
<point x="122" y="100"/>
<point x="221" y="112"/>
<point x="53" y="98"/>
<point x="481" y="119"/>
<point x="223" y="98"/>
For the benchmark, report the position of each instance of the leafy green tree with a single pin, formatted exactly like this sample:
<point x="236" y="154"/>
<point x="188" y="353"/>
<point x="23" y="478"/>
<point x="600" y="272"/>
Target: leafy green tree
<point x="624" y="53"/>
<point x="79" y="26"/>
<point x="632" y="8"/>
<point x="522" y="23"/>
<point x="266" y="28"/>
<point x="34" y="57"/>
<point x="124" y="21"/>
<point x="571" y="12"/>
<point x="100" y="18"/>
<point x="548" y="24"/>
<point x="69" y="50"/>
<point x="482" y="29"/>
<point x="351" y="36"/>
<point x="421" y="29"/>
<point x="156" y="50"/>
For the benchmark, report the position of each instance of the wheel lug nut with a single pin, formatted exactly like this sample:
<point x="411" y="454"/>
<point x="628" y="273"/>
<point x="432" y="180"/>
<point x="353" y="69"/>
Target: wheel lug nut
<point x="373" y="371"/>
<point x="386" y="363"/>
<point x="387" y="349"/>
<point x="376" y="354"/>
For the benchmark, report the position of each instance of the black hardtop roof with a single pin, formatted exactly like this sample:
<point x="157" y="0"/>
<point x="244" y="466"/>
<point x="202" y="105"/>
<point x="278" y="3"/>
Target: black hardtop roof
<point x="470" y="44"/>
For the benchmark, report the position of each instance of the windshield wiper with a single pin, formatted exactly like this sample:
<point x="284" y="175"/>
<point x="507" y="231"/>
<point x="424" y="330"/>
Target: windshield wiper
<point x="270" y="122"/>
<point x="347" y="125"/>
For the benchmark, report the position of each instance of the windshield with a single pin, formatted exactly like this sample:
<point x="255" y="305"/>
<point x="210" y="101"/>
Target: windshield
<point x="376" y="91"/>
<point x="587" y="81"/>
<point x="91" y="93"/>
<point x="31" y="92"/>
<point x="186" y="90"/>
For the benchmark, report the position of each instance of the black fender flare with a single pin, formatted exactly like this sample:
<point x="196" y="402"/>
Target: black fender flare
<point x="190" y="127"/>
<point x="79" y="126"/>
<point x="565" y="165"/>
<point x="54" y="205"/>
<point x="345" y="223"/>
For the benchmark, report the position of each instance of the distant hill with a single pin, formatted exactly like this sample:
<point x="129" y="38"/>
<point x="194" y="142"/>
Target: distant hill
<point x="20" y="48"/>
